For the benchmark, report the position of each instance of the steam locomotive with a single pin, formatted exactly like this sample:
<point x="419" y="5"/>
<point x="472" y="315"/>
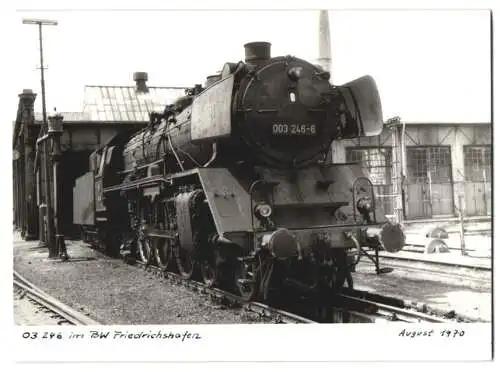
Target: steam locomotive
<point x="231" y="182"/>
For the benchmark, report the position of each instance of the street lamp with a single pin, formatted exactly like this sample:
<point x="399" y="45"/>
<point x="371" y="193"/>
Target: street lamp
<point x="46" y="166"/>
<point x="40" y="23"/>
<point x="33" y="21"/>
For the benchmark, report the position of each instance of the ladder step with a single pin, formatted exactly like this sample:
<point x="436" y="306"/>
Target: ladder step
<point x="245" y="259"/>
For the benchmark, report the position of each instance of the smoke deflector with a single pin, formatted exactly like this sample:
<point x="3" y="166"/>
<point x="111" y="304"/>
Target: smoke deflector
<point x="363" y="104"/>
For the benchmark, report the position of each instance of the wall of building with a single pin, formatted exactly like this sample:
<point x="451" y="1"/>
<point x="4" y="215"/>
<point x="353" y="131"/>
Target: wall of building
<point x="78" y="140"/>
<point x="440" y="166"/>
<point x="25" y="211"/>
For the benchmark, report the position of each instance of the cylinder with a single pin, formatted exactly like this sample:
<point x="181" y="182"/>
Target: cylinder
<point x="257" y="52"/>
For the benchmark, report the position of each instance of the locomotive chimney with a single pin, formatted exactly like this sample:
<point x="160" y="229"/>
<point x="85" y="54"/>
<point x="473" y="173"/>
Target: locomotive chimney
<point x="257" y="53"/>
<point x="140" y="79"/>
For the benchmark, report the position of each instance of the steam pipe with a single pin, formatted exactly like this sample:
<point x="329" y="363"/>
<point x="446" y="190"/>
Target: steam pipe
<point x="41" y="139"/>
<point x="358" y="247"/>
<point x="174" y="151"/>
<point x="38" y="141"/>
<point x="214" y="155"/>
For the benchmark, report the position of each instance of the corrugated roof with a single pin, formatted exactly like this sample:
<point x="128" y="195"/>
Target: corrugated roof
<point x="67" y="116"/>
<point x="121" y="103"/>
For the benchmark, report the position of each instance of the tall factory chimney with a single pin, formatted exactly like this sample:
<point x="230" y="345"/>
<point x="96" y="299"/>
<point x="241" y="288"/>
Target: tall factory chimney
<point x="325" y="57"/>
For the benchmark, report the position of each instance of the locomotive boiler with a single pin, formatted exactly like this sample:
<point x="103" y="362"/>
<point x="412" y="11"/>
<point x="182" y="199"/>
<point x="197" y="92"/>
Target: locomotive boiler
<point x="231" y="182"/>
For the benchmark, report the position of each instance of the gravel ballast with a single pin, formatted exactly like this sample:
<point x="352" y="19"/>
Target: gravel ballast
<point x="114" y="293"/>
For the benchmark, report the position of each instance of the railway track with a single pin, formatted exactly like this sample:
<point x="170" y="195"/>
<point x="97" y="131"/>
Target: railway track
<point x="346" y="308"/>
<point x="437" y="271"/>
<point x="412" y="306"/>
<point x="376" y="311"/>
<point x="352" y="306"/>
<point x="436" y="262"/>
<point x="64" y="313"/>
<point x="227" y="298"/>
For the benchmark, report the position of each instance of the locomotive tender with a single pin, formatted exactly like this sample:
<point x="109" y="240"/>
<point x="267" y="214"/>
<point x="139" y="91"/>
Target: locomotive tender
<point x="231" y="181"/>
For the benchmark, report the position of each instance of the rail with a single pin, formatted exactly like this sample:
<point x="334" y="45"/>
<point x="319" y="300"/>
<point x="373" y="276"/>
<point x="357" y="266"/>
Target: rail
<point x="36" y="294"/>
<point x="435" y="260"/>
<point x="387" y="312"/>
<point x="419" y="307"/>
<point x="437" y="272"/>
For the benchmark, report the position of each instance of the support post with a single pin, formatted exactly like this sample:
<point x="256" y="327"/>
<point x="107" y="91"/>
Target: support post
<point x="394" y="124"/>
<point x="22" y="193"/>
<point x="55" y="132"/>
<point x="429" y="180"/>
<point x="485" y="187"/>
<point x="41" y="211"/>
<point x="14" y="191"/>
<point x="462" y="227"/>
<point x="27" y="99"/>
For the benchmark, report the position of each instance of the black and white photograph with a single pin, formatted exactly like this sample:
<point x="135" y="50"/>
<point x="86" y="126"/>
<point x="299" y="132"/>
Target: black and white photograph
<point x="252" y="168"/>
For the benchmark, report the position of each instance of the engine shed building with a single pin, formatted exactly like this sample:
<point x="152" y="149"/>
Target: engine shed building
<point x="107" y="110"/>
<point x="439" y="164"/>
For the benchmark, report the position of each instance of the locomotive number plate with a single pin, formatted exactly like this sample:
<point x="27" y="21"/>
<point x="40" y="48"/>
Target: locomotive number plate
<point x="283" y="129"/>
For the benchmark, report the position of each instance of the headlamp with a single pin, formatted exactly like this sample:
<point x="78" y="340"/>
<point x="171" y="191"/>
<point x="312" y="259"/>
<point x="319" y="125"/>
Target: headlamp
<point x="295" y="73"/>
<point x="263" y="210"/>
<point x="365" y="204"/>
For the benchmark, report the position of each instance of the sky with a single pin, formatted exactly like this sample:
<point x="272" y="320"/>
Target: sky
<point x="431" y="66"/>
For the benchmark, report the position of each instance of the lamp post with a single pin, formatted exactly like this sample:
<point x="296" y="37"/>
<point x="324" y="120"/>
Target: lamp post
<point x="49" y="238"/>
